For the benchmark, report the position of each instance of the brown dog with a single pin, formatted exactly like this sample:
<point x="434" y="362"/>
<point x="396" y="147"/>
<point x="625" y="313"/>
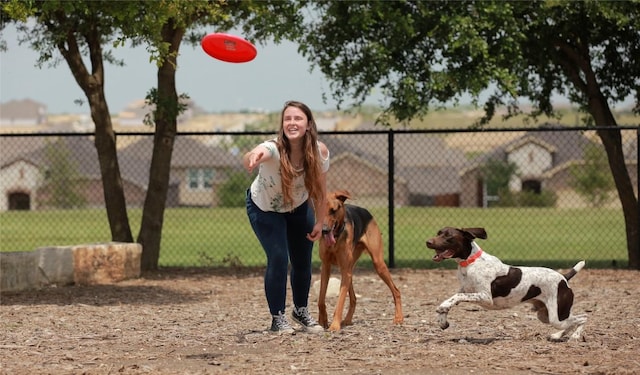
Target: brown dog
<point x="348" y="231"/>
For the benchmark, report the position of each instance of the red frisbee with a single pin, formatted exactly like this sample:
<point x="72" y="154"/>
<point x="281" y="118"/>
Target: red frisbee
<point x="229" y="48"/>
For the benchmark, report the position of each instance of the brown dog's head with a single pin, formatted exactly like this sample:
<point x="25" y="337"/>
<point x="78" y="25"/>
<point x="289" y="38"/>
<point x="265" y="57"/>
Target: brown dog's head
<point x="454" y="242"/>
<point x="334" y="216"/>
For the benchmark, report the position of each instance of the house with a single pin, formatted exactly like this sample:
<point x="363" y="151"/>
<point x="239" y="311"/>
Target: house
<point x="27" y="180"/>
<point x="430" y="173"/>
<point x="430" y="168"/>
<point x="30" y="178"/>
<point x="26" y="112"/>
<point x="426" y="169"/>
<point x="197" y="170"/>
<point x="18" y="183"/>
<point x="543" y="160"/>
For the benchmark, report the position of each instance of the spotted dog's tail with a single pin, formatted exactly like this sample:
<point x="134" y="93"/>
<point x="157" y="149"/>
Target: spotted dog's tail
<point x="574" y="270"/>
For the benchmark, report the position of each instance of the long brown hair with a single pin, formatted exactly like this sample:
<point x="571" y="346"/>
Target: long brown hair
<point x="312" y="162"/>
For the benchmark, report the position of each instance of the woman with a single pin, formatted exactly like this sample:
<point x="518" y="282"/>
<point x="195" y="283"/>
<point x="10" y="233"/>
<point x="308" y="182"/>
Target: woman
<point x="285" y="205"/>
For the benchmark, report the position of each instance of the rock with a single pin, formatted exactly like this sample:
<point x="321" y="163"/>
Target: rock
<point x="333" y="287"/>
<point x="106" y="263"/>
<point x="100" y="263"/>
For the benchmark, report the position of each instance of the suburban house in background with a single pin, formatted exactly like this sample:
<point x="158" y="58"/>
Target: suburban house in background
<point x="26" y="181"/>
<point x="25" y="112"/>
<point x="543" y="160"/>
<point x="430" y="173"/>
<point x="197" y="170"/>
<point x="426" y="169"/>
<point x="430" y="169"/>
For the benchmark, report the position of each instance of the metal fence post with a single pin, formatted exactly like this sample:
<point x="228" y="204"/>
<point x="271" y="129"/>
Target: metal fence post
<point x="391" y="198"/>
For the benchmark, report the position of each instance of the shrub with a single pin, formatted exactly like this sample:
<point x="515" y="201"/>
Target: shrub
<point x="526" y="199"/>
<point x="231" y="193"/>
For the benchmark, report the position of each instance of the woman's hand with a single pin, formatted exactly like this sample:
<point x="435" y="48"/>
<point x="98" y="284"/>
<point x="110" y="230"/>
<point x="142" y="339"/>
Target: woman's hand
<point x="253" y="160"/>
<point x="254" y="157"/>
<point x="316" y="233"/>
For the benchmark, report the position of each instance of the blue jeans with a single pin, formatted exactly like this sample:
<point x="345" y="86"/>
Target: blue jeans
<point x="283" y="238"/>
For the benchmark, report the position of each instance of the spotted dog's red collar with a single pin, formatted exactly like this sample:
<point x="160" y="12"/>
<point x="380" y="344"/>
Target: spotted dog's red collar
<point x="471" y="259"/>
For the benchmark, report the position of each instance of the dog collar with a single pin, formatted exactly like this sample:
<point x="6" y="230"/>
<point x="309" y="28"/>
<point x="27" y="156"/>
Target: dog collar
<point x="471" y="259"/>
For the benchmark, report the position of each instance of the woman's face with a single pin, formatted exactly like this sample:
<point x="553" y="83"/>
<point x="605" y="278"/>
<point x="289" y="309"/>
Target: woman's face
<point x="294" y="123"/>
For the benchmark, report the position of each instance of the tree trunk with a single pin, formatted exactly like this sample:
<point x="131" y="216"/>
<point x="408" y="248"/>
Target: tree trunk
<point x="112" y="185"/>
<point x="165" y="117"/>
<point x="576" y="63"/>
<point x="92" y="84"/>
<point x="612" y="141"/>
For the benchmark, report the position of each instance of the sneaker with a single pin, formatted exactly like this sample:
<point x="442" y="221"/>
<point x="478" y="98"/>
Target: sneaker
<point x="301" y="316"/>
<point x="280" y="324"/>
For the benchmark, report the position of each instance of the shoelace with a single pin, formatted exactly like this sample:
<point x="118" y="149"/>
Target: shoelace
<point x="305" y="317"/>
<point x="281" y="321"/>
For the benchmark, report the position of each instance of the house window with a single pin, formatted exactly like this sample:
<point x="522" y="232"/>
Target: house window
<point x="207" y="178"/>
<point x="200" y="178"/>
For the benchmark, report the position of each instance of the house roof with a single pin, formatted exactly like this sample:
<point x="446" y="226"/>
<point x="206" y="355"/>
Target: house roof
<point x="21" y="109"/>
<point x="351" y="144"/>
<point x="133" y="160"/>
<point x="526" y="140"/>
<point x="80" y="150"/>
<point x="566" y="146"/>
<point x="12" y="148"/>
<point x="434" y="180"/>
<point x="428" y="165"/>
<point x="187" y="152"/>
<point x="416" y="150"/>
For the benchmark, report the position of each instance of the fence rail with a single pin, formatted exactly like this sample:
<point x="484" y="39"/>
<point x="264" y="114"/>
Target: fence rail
<point x="545" y="195"/>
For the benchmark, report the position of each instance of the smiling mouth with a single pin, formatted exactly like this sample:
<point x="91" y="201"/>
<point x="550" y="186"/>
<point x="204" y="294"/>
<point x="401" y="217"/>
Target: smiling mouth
<point x="443" y="254"/>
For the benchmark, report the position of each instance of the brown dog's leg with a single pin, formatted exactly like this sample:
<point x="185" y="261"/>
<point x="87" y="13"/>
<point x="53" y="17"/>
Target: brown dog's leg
<point x="383" y="271"/>
<point x="348" y="320"/>
<point x="345" y="260"/>
<point x="345" y="286"/>
<point x="375" y="248"/>
<point x="325" y="273"/>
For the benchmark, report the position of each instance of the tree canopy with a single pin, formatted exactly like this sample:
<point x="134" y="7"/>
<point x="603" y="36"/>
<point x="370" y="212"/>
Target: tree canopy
<point x="82" y="33"/>
<point x="423" y="54"/>
<point x="426" y="53"/>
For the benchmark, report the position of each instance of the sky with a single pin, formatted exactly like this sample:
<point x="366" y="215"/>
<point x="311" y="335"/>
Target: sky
<point x="277" y="74"/>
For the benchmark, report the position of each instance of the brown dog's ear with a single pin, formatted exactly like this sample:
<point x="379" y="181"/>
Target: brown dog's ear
<point x="342" y="195"/>
<point x="475" y="232"/>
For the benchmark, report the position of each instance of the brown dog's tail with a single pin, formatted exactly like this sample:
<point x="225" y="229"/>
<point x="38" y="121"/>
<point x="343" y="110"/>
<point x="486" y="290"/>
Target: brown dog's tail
<point x="574" y="270"/>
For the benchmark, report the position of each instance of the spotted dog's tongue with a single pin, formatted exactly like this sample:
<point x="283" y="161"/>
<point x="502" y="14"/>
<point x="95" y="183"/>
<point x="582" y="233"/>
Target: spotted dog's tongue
<point x="329" y="239"/>
<point x="440" y="255"/>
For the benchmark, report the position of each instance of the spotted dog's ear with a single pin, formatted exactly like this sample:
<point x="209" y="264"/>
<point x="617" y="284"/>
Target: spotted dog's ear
<point x="475" y="233"/>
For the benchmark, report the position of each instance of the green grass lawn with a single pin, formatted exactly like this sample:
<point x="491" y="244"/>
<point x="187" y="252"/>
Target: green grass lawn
<point x="223" y="236"/>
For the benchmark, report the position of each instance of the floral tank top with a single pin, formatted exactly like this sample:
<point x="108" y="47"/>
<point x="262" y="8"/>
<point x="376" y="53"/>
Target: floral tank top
<point x="266" y="188"/>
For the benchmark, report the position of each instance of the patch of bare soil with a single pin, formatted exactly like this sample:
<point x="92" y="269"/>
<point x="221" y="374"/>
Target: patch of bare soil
<point x="211" y="322"/>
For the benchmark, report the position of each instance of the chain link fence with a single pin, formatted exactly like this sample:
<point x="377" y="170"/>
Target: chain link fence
<point x="544" y="195"/>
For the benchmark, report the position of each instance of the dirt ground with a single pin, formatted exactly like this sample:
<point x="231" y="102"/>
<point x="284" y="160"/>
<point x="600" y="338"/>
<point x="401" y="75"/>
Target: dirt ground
<point x="210" y="322"/>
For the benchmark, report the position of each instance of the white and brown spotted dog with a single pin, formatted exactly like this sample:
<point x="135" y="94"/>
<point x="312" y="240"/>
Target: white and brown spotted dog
<point x="488" y="282"/>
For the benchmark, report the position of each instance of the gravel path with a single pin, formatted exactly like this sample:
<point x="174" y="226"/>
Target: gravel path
<point x="211" y="322"/>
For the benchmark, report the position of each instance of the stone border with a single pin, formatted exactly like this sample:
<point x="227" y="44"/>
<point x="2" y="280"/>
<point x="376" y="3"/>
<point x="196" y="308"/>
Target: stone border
<point x="100" y="263"/>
